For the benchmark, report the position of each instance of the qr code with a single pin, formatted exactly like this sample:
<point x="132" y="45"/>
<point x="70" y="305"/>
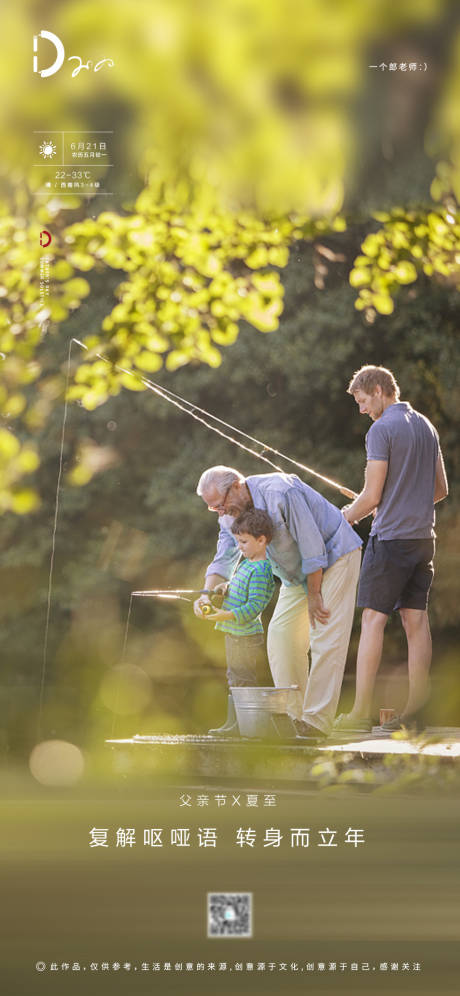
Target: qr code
<point x="229" y="914"/>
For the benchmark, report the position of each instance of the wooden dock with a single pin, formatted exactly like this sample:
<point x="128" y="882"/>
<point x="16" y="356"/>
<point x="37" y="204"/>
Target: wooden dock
<point x="218" y="757"/>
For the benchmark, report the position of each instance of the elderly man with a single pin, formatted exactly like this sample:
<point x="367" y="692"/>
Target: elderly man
<point x="405" y="476"/>
<point x="316" y="554"/>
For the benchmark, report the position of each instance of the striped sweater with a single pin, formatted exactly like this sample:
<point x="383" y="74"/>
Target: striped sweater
<point x="249" y="591"/>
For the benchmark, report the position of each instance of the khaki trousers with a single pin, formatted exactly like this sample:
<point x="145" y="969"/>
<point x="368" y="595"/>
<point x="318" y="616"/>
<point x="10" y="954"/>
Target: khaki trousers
<point x="290" y="636"/>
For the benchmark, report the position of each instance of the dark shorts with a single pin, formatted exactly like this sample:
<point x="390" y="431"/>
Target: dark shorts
<point x="246" y="659"/>
<point x="396" y="574"/>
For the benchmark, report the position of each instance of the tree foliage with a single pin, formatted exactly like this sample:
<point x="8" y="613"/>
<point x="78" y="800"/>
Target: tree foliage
<point x="242" y="116"/>
<point x="408" y="243"/>
<point x="193" y="271"/>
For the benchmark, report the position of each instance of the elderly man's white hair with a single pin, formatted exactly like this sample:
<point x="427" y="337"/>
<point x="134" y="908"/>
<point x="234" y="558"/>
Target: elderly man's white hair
<point x="220" y="478"/>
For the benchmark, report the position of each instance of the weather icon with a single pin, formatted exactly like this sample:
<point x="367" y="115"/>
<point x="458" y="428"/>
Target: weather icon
<point x="47" y="149"/>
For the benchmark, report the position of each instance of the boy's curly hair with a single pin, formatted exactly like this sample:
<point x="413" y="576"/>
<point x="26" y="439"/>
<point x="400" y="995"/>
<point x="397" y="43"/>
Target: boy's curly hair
<point x="254" y="521"/>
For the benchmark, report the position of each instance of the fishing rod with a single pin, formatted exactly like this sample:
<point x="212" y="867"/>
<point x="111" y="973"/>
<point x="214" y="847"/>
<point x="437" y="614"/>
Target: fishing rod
<point x="168" y="395"/>
<point x="216" y="598"/>
<point x="192" y="409"/>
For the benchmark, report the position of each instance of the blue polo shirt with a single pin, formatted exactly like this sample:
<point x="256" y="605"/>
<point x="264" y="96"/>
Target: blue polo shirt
<point x="410" y="444"/>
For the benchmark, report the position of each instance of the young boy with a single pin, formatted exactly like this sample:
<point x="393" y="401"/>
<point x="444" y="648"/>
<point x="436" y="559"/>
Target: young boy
<point x="246" y="595"/>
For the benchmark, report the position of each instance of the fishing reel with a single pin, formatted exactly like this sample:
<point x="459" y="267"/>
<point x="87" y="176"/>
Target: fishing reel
<point x="217" y="598"/>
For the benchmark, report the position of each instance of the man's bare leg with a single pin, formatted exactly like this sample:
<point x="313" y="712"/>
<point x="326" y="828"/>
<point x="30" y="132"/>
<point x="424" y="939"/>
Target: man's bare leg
<point x="368" y="661"/>
<point x="417" y="629"/>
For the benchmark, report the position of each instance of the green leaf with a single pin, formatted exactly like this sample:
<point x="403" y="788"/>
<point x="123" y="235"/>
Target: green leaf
<point x="77" y="287"/>
<point x="258" y="258"/>
<point x="57" y="311"/>
<point x="132" y="383"/>
<point x="177" y="358"/>
<point x="62" y="270"/>
<point x="405" y="272"/>
<point x="383" y="304"/>
<point x="93" y="398"/>
<point x="359" y="276"/>
<point x="150" y="362"/>
<point x="14" y="405"/>
<point x="28" y="460"/>
<point x="24" y="501"/>
<point x="9" y="445"/>
<point x="371" y="245"/>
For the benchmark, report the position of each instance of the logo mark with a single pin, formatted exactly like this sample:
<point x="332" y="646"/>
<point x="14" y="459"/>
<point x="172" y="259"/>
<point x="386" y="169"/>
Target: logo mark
<point x="45" y="238"/>
<point x="60" y="53"/>
<point x="60" y="56"/>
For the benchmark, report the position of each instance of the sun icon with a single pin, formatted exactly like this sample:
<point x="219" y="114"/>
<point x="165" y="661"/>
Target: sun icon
<point x="48" y="149"/>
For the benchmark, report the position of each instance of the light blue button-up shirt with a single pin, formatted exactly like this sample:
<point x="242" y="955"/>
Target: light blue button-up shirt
<point x="309" y="532"/>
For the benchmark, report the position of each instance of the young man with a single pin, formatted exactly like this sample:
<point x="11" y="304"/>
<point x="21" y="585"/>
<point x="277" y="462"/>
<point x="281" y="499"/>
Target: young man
<point x="316" y="554"/>
<point x="246" y="595"/>
<point x="404" y="479"/>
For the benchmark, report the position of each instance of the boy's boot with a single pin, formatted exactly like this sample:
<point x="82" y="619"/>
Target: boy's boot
<point x="230" y="727"/>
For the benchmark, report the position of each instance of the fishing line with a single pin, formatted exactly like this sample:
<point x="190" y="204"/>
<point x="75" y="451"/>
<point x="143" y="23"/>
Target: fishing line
<point x="53" y="547"/>
<point x="169" y="396"/>
<point x="179" y="402"/>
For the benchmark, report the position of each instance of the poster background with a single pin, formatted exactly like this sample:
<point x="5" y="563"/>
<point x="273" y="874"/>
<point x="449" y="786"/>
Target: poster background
<point x="394" y="899"/>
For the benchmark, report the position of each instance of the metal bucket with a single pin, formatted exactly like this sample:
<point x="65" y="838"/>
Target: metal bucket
<point x="258" y="709"/>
